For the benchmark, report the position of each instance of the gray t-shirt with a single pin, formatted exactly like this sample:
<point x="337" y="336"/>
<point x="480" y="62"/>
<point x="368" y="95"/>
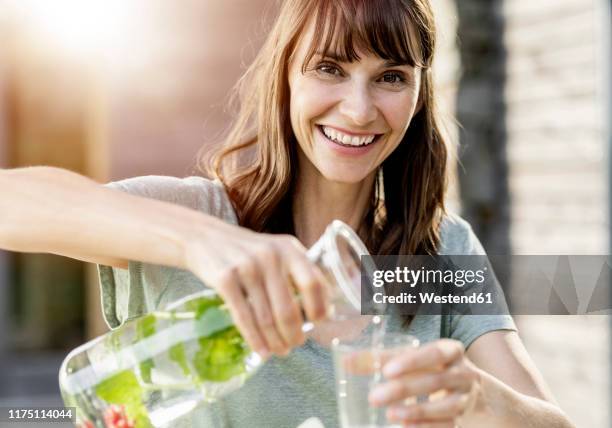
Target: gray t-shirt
<point x="284" y="392"/>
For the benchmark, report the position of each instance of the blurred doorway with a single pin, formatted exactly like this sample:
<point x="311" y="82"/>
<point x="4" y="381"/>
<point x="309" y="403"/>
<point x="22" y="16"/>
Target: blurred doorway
<point x="49" y="116"/>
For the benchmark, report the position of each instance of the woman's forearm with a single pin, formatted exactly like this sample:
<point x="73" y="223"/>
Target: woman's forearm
<point x="499" y="405"/>
<point x="50" y="210"/>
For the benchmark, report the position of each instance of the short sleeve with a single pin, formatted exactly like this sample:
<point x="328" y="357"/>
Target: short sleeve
<point x="458" y="238"/>
<point x="142" y="288"/>
<point x="197" y="193"/>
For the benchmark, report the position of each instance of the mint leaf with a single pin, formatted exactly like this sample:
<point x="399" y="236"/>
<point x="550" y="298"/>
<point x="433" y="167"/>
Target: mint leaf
<point x="124" y="389"/>
<point x="177" y="354"/>
<point x="221" y="356"/>
<point x="145" y="327"/>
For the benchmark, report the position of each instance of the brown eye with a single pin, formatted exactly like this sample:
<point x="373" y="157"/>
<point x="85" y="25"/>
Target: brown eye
<point x="329" y="69"/>
<point x="393" y="78"/>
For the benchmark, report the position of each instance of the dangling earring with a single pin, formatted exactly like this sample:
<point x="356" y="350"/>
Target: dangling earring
<point x="380" y="184"/>
<point x="379" y="198"/>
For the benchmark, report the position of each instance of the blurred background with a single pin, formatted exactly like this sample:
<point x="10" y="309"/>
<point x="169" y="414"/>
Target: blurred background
<point x="123" y="88"/>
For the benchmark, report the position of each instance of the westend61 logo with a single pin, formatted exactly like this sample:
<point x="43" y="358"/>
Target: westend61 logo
<point x="487" y="285"/>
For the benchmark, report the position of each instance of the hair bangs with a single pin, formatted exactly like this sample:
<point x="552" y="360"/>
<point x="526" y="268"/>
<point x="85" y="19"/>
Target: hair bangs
<point x="385" y="28"/>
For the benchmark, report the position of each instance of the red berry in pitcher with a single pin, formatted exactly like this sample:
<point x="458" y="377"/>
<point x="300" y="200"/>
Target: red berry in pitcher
<point x="115" y="417"/>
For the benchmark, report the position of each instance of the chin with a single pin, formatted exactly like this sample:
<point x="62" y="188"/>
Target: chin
<point x="346" y="177"/>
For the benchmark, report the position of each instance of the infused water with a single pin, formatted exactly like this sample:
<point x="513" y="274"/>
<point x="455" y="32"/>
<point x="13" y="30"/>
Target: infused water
<point x="159" y="367"/>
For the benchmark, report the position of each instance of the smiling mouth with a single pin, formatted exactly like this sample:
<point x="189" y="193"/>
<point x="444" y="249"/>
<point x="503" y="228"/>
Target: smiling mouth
<point x="345" y="140"/>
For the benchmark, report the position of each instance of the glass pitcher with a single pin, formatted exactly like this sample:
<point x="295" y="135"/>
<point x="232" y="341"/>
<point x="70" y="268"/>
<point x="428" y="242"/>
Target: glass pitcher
<point x="157" y="368"/>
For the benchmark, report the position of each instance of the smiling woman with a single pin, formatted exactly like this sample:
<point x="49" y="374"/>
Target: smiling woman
<point x="347" y="74"/>
<point x="349" y="116"/>
<point x="336" y="120"/>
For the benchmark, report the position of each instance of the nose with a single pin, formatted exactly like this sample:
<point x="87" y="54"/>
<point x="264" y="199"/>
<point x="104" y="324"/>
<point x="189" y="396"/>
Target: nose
<point x="358" y="104"/>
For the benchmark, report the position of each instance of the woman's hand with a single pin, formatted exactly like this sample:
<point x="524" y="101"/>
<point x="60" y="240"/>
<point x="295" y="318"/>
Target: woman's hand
<point x="439" y="368"/>
<point x="258" y="276"/>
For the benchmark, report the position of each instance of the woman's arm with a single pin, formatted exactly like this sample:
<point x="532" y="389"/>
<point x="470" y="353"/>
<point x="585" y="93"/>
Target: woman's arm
<point x="50" y="210"/>
<point x="493" y="384"/>
<point x="511" y="391"/>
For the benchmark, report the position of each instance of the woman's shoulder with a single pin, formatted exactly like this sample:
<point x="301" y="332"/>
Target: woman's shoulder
<point x="457" y="236"/>
<point x="194" y="192"/>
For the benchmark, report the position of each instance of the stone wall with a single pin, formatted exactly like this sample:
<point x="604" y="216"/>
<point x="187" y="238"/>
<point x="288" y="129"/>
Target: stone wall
<point x="558" y="178"/>
<point x="557" y="155"/>
<point x="557" y="149"/>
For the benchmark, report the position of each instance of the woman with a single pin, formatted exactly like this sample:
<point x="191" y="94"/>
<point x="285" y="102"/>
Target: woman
<point x="336" y="120"/>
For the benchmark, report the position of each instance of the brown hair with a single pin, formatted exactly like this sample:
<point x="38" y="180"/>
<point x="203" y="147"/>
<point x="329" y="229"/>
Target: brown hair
<point x="258" y="161"/>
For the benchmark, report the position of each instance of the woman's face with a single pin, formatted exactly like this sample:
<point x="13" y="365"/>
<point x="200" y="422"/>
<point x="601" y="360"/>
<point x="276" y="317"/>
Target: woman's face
<point x="348" y="117"/>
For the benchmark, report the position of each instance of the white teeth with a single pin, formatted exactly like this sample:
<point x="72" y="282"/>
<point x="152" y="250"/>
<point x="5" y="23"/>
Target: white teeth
<point x="345" y="139"/>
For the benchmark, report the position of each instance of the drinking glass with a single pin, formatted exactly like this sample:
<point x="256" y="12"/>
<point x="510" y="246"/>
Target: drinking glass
<point x="358" y="369"/>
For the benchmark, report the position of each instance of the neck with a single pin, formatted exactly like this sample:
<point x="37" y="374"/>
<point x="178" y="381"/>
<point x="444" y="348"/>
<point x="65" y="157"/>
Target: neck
<point x="318" y="201"/>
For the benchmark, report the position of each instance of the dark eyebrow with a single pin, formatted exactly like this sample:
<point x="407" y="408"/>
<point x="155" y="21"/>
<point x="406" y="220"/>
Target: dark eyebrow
<point x="392" y="63"/>
<point x="330" y="55"/>
<point x="338" y="58"/>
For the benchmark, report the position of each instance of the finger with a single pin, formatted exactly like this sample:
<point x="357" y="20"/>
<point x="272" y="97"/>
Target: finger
<point x="445" y="424"/>
<point x="456" y="378"/>
<point x="252" y="282"/>
<point x="287" y="315"/>
<point x="309" y="282"/>
<point x="437" y="354"/>
<point x="367" y="361"/>
<point x="242" y="315"/>
<point x="450" y="407"/>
